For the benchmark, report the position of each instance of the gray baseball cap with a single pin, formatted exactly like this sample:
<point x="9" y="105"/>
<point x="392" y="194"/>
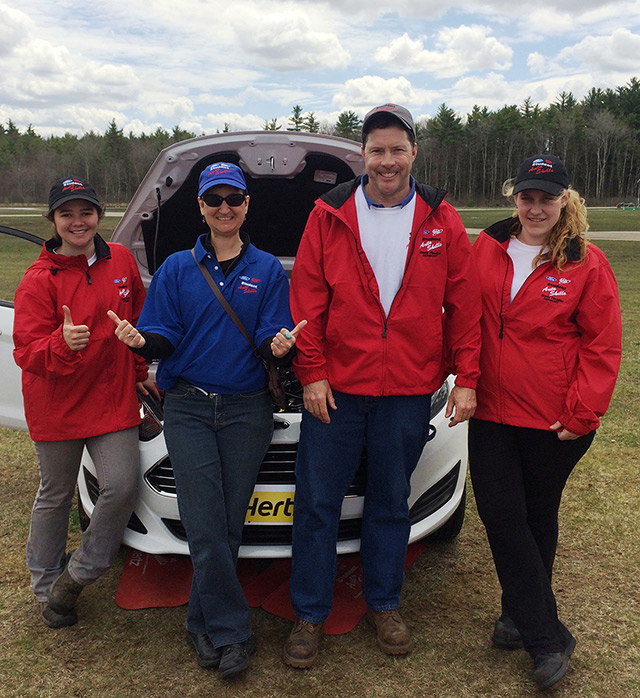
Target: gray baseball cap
<point x="403" y="115"/>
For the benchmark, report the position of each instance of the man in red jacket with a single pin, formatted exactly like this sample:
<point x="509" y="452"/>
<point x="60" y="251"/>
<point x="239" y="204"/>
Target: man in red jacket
<point x="384" y="277"/>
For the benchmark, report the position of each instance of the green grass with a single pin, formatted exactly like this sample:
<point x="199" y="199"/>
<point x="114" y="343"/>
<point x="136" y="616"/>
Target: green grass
<point x="450" y="597"/>
<point x="16" y="255"/>
<point x="599" y="218"/>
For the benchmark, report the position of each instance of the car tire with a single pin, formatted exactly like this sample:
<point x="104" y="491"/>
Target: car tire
<point x="450" y="529"/>
<point x="83" y="517"/>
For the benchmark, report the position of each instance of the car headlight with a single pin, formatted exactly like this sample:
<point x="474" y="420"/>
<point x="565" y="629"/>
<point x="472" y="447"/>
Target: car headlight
<point x="439" y="399"/>
<point x="151" y="416"/>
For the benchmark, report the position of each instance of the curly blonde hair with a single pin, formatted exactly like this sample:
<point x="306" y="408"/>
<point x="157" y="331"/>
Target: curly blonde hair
<point x="572" y="225"/>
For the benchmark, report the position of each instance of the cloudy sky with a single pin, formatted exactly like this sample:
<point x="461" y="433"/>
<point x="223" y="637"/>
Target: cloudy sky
<point x="73" y="67"/>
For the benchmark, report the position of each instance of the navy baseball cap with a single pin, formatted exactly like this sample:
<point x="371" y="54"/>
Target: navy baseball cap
<point x="544" y="172"/>
<point x="71" y="188"/>
<point x="221" y="173"/>
<point x="401" y="114"/>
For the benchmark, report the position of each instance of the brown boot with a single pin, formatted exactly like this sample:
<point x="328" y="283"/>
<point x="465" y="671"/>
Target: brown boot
<point x="393" y="634"/>
<point x="64" y="593"/>
<point x="56" y="620"/>
<point x="301" y="647"/>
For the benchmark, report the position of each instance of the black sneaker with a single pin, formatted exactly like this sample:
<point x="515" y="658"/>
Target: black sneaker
<point x="549" y="669"/>
<point x="235" y="658"/>
<point x="208" y="655"/>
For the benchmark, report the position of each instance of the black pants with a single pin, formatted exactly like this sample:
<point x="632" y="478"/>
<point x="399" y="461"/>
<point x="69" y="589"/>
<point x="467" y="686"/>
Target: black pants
<point x="518" y="476"/>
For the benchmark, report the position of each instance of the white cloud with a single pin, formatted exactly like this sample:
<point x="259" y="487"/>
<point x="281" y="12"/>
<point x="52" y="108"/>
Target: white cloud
<point x="619" y="51"/>
<point x="540" y="65"/>
<point x="44" y="73"/>
<point x="365" y="92"/>
<point x="493" y="87"/>
<point x="15" y="26"/>
<point x="456" y="51"/>
<point x="177" y="109"/>
<point x="291" y="40"/>
<point x="236" y="122"/>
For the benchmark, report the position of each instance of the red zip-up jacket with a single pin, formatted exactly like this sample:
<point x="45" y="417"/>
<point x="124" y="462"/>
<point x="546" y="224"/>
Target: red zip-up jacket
<point x="433" y="324"/>
<point x="553" y="353"/>
<point x="76" y="394"/>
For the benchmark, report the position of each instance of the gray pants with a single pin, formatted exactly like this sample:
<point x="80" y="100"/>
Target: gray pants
<point x="117" y="460"/>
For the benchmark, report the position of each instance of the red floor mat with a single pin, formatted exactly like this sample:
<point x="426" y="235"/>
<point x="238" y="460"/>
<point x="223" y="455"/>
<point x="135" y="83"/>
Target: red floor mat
<point x="154" y="581"/>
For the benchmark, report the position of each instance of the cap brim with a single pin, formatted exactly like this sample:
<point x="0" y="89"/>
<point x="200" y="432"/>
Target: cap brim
<point x="71" y="197"/>
<point x="542" y="185"/>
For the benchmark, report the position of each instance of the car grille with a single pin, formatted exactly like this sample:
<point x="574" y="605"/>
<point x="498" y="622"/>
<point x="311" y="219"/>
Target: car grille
<point x="277" y="469"/>
<point x="256" y="534"/>
<point x="349" y="529"/>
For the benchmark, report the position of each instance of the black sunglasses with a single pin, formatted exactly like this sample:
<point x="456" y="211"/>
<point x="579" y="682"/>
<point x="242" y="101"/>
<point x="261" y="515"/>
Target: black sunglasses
<point x="214" y="200"/>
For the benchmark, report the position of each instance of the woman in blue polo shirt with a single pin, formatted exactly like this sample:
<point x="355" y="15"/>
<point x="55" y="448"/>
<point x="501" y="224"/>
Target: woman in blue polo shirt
<point x="218" y="410"/>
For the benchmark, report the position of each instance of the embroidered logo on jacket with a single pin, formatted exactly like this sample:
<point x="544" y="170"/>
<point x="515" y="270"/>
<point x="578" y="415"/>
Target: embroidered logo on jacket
<point x="123" y="290"/>
<point x="431" y="247"/>
<point x="555" y="290"/>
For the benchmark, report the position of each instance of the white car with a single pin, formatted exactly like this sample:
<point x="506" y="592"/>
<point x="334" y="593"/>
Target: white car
<point x="286" y="172"/>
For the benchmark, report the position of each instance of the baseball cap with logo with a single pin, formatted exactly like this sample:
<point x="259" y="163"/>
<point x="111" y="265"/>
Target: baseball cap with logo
<point x="71" y="188"/>
<point x="544" y="172"/>
<point x="403" y="115"/>
<point x="221" y="173"/>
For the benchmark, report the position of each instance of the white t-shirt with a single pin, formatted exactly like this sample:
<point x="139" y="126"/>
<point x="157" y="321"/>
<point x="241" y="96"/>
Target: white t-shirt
<point x="522" y="257"/>
<point x="385" y="234"/>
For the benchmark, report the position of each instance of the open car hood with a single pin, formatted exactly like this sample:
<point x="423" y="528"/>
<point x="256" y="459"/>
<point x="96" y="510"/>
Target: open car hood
<point x="285" y="172"/>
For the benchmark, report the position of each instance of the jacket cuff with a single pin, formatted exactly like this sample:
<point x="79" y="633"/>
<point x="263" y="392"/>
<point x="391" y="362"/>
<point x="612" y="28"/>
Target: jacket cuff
<point x="462" y="382"/>
<point x="577" y="426"/>
<point x="306" y="376"/>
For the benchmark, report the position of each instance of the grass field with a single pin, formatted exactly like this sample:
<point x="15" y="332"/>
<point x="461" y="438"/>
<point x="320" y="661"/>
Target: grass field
<point x="450" y="597"/>
<point x="599" y="219"/>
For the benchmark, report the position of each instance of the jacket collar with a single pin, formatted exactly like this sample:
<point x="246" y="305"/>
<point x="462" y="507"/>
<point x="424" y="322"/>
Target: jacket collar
<point x="102" y="248"/>
<point x="203" y="247"/>
<point x="502" y="230"/>
<point x="338" y="196"/>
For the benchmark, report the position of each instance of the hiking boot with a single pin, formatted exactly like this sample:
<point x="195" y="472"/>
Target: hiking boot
<point x="208" y="656"/>
<point x="549" y="669"/>
<point x="56" y="620"/>
<point x="393" y="634"/>
<point x="64" y="593"/>
<point x="505" y="634"/>
<point x="236" y="658"/>
<point x="301" y="647"/>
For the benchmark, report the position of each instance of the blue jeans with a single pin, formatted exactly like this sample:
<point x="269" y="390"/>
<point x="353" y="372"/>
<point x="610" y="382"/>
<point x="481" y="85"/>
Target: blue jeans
<point x="216" y="444"/>
<point x="395" y="430"/>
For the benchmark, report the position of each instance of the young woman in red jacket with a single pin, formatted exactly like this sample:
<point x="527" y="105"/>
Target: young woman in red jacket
<point x="79" y="389"/>
<point x="551" y="345"/>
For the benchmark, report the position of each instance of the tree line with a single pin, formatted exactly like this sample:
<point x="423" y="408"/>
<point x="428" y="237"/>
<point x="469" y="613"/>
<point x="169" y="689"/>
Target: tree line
<point x="471" y="156"/>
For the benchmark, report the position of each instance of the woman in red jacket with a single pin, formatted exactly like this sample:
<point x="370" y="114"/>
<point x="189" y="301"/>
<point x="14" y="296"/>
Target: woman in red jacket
<point x="79" y="389"/>
<point x="551" y="345"/>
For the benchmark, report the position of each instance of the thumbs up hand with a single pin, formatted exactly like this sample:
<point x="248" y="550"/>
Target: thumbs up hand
<point x="76" y="336"/>
<point x="126" y="332"/>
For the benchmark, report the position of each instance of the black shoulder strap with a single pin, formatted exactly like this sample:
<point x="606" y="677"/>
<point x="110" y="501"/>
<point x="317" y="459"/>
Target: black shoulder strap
<point x="223" y="302"/>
